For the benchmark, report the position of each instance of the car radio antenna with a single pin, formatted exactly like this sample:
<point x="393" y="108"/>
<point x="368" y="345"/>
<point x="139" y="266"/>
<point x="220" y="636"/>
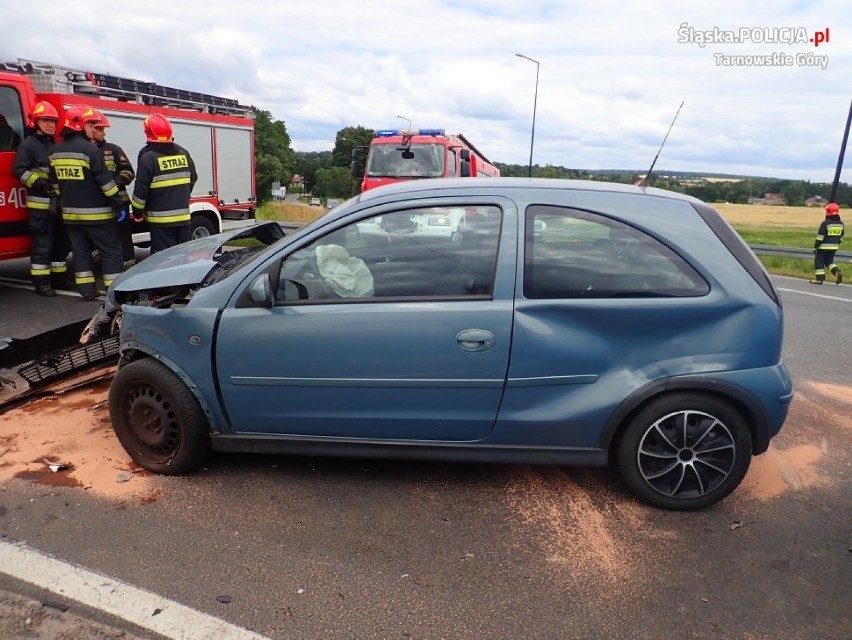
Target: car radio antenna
<point x="644" y="182"/>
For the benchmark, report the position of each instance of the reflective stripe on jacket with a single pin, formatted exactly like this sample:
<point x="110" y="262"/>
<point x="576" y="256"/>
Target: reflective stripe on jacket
<point x="830" y="234"/>
<point x="164" y="181"/>
<point x="87" y="192"/>
<point x="31" y="163"/>
<point x="119" y="167"/>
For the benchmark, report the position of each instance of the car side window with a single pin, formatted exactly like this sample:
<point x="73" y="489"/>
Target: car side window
<point x="577" y="254"/>
<point x="430" y="252"/>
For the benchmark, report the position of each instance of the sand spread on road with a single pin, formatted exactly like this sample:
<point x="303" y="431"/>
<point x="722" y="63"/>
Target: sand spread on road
<point x="71" y="428"/>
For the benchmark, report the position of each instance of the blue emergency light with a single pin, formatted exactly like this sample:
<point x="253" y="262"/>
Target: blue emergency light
<point x="387" y="133"/>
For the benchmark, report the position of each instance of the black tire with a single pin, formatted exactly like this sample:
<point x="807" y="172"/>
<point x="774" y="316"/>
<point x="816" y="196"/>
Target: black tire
<point x="201" y="227"/>
<point x="157" y="419"/>
<point x="684" y="451"/>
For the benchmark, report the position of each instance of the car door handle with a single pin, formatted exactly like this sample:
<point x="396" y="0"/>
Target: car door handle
<point x="475" y="340"/>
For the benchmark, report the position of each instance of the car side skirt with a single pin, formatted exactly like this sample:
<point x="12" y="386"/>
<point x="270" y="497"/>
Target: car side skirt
<point x="408" y="450"/>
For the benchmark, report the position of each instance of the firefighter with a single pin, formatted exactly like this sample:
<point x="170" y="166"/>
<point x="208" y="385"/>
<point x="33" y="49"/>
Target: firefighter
<point x="50" y="245"/>
<point x="118" y="165"/>
<point x="89" y="200"/>
<point x="828" y="239"/>
<point x="164" y="181"/>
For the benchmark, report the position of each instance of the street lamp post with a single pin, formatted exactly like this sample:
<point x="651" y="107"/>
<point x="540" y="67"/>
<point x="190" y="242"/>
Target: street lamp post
<point x="535" y="102"/>
<point x="408" y="120"/>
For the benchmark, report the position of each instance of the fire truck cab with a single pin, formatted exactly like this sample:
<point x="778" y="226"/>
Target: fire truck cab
<point x="217" y="132"/>
<point x="397" y="154"/>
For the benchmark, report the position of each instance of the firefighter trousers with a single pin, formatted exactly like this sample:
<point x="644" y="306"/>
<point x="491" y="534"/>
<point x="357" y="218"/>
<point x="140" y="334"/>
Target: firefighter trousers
<point x="125" y="234"/>
<point x="824" y="260"/>
<point x="163" y="237"/>
<point x="84" y="239"/>
<point x="50" y="246"/>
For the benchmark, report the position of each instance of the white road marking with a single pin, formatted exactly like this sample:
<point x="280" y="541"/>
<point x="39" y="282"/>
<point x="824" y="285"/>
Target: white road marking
<point x="117" y="598"/>
<point x="814" y="294"/>
<point x="14" y="283"/>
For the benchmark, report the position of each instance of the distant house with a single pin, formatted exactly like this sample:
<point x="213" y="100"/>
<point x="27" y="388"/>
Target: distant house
<point x="769" y="199"/>
<point x="815" y="201"/>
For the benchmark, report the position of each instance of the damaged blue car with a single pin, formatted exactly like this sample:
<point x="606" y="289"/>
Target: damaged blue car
<point x="555" y="322"/>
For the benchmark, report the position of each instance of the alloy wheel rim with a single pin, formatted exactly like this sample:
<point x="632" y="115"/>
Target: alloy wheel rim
<point x="686" y="454"/>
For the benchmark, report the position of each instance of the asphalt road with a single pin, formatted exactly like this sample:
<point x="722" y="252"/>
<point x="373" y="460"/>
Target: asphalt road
<point x="324" y="548"/>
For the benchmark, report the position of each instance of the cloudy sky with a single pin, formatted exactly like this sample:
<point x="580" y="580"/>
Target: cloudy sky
<point x="611" y="77"/>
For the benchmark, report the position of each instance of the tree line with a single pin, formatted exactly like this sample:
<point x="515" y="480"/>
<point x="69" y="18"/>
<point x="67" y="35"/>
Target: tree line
<point x="327" y="174"/>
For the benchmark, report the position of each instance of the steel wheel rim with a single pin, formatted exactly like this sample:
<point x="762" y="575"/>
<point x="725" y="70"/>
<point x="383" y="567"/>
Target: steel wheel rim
<point x="154" y="424"/>
<point x="686" y="454"/>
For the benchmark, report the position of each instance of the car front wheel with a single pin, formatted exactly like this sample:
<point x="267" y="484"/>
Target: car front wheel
<point x="685" y="451"/>
<point x="157" y="419"/>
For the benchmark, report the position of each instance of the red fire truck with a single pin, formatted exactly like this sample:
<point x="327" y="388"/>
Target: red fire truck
<point x="217" y="132"/>
<point x="397" y="154"/>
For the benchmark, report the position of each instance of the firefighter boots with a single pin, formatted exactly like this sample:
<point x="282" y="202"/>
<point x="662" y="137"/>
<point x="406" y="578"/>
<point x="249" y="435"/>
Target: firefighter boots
<point x="45" y="289"/>
<point x="89" y="292"/>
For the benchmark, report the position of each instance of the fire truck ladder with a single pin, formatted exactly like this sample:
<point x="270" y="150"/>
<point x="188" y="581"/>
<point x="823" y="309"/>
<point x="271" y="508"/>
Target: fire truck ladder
<point x="50" y="78"/>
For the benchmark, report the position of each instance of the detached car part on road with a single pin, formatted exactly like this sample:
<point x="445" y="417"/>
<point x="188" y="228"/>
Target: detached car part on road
<point x="571" y="323"/>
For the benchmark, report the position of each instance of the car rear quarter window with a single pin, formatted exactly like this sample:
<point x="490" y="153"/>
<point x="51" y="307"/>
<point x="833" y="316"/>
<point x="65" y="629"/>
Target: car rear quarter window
<point x="577" y="254"/>
<point x="739" y="249"/>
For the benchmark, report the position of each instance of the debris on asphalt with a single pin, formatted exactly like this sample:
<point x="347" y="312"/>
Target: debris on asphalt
<point x="735" y="525"/>
<point x="224" y="599"/>
<point x="124" y="476"/>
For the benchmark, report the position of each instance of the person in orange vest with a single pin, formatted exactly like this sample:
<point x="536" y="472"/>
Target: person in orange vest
<point x="827" y="242"/>
<point x="89" y="199"/>
<point x="165" y="177"/>
<point x="118" y="164"/>
<point x="50" y="244"/>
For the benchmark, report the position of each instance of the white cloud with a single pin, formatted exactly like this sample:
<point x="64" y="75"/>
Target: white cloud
<point x="611" y="76"/>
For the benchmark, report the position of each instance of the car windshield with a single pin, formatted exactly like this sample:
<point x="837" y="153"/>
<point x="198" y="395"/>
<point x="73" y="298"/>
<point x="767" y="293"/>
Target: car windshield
<point x="425" y="161"/>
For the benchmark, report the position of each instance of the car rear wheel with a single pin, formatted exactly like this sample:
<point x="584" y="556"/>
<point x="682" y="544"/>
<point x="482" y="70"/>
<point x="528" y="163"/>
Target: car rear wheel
<point x="685" y="451"/>
<point x="157" y="419"/>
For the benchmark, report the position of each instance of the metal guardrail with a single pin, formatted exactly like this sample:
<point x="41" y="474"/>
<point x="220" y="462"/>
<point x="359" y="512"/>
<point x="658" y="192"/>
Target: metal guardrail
<point x="795" y="252"/>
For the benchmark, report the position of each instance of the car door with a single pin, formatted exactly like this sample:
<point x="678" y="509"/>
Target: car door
<point x="378" y="332"/>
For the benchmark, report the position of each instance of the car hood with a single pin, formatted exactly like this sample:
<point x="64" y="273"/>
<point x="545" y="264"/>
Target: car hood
<point x="189" y="263"/>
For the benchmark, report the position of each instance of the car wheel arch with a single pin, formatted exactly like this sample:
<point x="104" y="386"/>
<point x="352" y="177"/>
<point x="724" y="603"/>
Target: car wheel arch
<point x="136" y="353"/>
<point x="157" y="419"/>
<point x="742" y="401"/>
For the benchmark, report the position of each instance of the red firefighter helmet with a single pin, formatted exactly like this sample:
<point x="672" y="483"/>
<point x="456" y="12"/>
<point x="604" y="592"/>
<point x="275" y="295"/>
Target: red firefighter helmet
<point x="78" y="115"/>
<point x="157" y="128"/>
<point x="103" y="121"/>
<point x="831" y="209"/>
<point x="40" y="110"/>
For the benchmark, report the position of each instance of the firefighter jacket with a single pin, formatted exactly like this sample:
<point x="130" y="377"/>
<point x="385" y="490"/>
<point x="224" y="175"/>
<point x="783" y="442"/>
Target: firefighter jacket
<point x="32" y="168"/>
<point x="830" y="234"/>
<point x="164" y="181"/>
<point x="118" y="165"/>
<point x="87" y="192"/>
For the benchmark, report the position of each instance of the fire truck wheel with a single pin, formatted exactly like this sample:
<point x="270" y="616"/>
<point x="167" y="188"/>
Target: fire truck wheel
<point x="157" y="419"/>
<point x="201" y="227"/>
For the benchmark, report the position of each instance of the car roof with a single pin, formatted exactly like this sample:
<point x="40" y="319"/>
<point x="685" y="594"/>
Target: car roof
<point x="460" y="185"/>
